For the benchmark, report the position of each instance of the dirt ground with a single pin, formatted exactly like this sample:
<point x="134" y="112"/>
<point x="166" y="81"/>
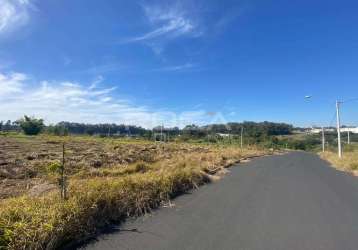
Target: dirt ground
<point x="24" y="160"/>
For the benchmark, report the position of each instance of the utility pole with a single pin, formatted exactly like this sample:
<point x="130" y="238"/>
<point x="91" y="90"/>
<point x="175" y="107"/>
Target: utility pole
<point x="241" y="139"/>
<point x="229" y="136"/>
<point x="339" y="129"/>
<point x="323" y="140"/>
<point x="161" y="133"/>
<point x="349" y="138"/>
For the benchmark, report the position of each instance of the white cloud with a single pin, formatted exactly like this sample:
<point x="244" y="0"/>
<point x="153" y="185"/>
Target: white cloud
<point x="11" y="83"/>
<point x="13" y="13"/>
<point x="168" y="22"/>
<point x="57" y="101"/>
<point x="186" y="66"/>
<point x="103" y="68"/>
<point x="96" y="81"/>
<point x="73" y="101"/>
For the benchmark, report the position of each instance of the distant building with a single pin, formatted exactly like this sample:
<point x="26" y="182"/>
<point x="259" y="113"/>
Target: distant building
<point x="298" y="131"/>
<point x="353" y="130"/>
<point x="223" y="135"/>
<point x="315" y="130"/>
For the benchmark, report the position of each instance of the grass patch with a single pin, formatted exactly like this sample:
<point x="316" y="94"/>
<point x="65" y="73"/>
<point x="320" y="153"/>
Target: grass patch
<point x="49" y="223"/>
<point x="348" y="162"/>
<point x="130" y="179"/>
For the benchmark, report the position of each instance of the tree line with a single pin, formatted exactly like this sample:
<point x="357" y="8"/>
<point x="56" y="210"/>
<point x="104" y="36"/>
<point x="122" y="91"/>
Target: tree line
<point x="257" y="130"/>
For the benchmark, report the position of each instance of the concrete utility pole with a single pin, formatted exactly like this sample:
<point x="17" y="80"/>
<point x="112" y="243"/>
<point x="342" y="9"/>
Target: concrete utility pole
<point x="349" y="138"/>
<point x="241" y="139"/>
<point x="161" y="133"/>
<point x="339" y="129"/>
<point x="323" y="140"/>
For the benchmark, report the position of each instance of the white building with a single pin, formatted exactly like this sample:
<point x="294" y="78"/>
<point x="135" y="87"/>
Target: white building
<point x="315" y="130"/>
<point x="319" y="130"/>
<point x="353" y="130"/>
<point x="223" y="135"/>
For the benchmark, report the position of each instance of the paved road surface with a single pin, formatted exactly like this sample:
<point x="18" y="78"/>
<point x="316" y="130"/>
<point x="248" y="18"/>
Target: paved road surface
<point x="295" y="201"/>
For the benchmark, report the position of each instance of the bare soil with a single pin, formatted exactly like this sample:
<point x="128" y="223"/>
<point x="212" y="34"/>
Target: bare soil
<point x="24" y="160"/>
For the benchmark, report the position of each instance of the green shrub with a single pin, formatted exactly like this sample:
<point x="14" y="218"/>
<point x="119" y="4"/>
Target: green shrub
<point x="57" y="130"/>
<point x="54" y="167"/>
<point x="31" y="125"/>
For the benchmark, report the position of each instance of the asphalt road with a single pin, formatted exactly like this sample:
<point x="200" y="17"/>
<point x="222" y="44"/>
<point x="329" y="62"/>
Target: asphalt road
<point x="294" y="201"/>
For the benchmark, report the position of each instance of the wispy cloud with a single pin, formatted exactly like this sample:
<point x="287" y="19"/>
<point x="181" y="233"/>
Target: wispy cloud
<point x="13" y="14"/>
<point x="103" y="68"/>
<point x="73" y="101"/>
<point x="186" y="66"/>
<point x="11" y="83"/>
<point x="96" y="81"/>
<point x="224" y="20"/>
<point x="169" y="21"/>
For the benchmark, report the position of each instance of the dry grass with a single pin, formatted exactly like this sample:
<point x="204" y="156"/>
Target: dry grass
<point x="48" y="222"/>
<point x="348" y="163"/>
<point x="133" y="178"/>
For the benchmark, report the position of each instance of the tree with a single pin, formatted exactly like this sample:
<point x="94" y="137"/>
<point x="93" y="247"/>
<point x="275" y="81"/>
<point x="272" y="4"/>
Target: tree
<point x="31" y="125"/>
<point x="7" y="125"/>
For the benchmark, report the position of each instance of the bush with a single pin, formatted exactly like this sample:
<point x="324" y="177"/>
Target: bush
<point x="57" y="130"/>
<point x="54" y="167"/>
<point x="31" y="125"/>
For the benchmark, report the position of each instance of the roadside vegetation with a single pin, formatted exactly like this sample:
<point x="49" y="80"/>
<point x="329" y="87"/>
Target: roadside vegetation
<point x="107" y="180"/>
<point x="63" y="183"/>
<point x="313" y="143"/>
<point x="349" y="160"/>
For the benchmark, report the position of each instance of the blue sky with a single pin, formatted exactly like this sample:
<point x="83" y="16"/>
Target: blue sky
<point x="178" y="62"/>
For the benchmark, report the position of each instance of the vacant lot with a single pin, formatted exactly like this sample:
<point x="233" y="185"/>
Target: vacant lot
<point x="25" y="161"/>
<point x="108" y="180"/>
<point x="349" y="160"/>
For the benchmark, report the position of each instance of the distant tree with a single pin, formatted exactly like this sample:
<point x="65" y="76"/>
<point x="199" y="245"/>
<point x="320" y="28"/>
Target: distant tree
<point x="101" y="129"/>
<point x="1" y="125"/>
<point x="31" y="125"/>
<point x="7" y="126"/>
<point x="57" y="130"/>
